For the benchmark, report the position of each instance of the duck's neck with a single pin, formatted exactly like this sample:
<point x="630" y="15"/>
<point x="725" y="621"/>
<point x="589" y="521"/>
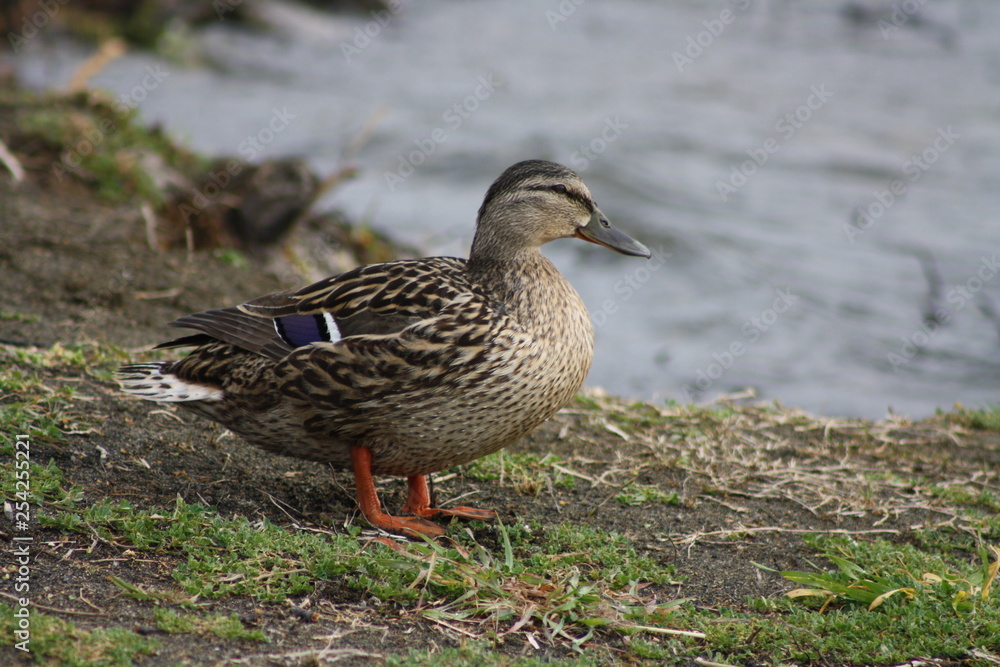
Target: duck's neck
<point x="504" y="275"/>
<point x="525" y="283"/>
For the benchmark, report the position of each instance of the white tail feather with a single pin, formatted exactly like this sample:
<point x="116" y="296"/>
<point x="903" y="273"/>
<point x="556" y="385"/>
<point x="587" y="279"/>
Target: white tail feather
<point x="148" y="381"/>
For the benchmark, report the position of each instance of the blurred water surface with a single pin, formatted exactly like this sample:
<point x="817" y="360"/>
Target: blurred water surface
<point x="736" y="137"/>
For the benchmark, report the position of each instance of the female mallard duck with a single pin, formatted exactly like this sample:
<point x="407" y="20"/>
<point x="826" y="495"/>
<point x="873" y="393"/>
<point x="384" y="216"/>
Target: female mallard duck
<point x="408" y="367"/>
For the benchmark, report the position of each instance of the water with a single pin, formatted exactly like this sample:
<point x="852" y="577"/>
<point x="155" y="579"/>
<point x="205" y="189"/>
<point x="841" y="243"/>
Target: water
<point x="770" y="286"/>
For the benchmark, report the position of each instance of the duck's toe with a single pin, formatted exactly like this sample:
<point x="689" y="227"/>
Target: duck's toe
<point x="419" y="502"/>
<point x="466" y="513"/>
<point x="411" y="526"/>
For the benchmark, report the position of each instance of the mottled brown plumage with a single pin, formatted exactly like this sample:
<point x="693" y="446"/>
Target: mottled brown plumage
<point x="407" y="367"/>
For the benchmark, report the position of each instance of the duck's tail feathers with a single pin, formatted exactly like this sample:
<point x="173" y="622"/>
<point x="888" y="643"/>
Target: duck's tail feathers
<point x="149" y="381"/>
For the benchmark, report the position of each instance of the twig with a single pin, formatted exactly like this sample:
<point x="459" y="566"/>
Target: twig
<point x="11" y="162"/>
<point x="317" y="656"/>
<point x="670" y="631"/>
<point x="108" y="51"/>
<point x="572" y="473"/>
<point x="275" y="502"/>
<point x="84" y="599"/>
<point x="451" y="627"/>
<point x="365" y="134"/>
<point x="709" y="663"/>
<point x="150" y="218"/>
<point x="734" y="508"/>
<point x="985" y="655"/>
<point x="776" y="529"/>
<point x="345" y="171"/>
<point x="452" y="501"/>
<point x="167" y="413"/>
<point x="189" y="259"/>
<point x="616" y="489"/>
<point x="54" y="610"/>
<point x="552" y="494"/>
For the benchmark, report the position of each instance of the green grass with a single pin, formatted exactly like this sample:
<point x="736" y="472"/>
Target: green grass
<point x="966" y="496"/>
<point x="565" y="581"/>
<point x="222" y="557"/>
<point x="13" y="316"/>
<point x="872" y="575"/>
<point x="480" y="654"/>
<point x="60" y="642"/>
<point x="232" y="257"/>
<point x="528" y="473"/>
<point x="569" y="585"/>
<point x="884" y="603"/>
<point x="641" y="494"/>
<point x="47" y="484"/>
<point x="987" y="419"/>
<point x="218" y="625"/>
<point x="95" y="140"/>
<point x="32" y="402"/>
<point x="880" y="604"/>
<point x="31" y="406"/>
<point x="38" y="401"/>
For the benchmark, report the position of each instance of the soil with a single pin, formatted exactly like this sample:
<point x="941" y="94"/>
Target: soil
<point x="84" y="270"/>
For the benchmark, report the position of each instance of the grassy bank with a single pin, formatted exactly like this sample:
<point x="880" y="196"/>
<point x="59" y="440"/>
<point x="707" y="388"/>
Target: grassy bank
<point x="629" y="532"/>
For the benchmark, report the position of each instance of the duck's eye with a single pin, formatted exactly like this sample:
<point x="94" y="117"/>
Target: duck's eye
<point x="559" y="187"/>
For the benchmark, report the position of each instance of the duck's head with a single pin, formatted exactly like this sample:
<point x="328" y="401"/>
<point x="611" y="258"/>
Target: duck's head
<point x="535" y="202"/>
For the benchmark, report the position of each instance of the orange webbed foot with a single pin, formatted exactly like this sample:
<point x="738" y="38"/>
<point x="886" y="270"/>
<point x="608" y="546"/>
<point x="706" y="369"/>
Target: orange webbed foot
<point x="411" y="526"/>
<point x="371" y="508"/>
<point x="468" y="513"/>
<point x="419" y="502"/>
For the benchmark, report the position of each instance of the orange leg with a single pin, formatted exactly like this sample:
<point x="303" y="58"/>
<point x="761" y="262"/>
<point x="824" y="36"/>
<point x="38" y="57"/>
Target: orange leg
<point x="371" y="508"/>
<point x="418" y="502"/>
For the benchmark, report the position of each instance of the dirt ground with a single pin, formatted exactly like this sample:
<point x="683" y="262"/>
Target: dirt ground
<point x="85" y="271"/>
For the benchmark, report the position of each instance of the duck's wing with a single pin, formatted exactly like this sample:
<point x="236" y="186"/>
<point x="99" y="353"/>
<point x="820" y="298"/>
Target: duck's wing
<point x="443" y="355"/>
<point x="377" y="299"/>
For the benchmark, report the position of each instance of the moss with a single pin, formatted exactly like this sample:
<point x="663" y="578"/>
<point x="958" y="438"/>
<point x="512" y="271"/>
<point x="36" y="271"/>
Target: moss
<point x="95" y="139"/>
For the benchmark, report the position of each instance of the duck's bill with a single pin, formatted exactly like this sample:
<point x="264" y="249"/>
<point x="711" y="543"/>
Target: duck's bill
<point x="600" y="231"/>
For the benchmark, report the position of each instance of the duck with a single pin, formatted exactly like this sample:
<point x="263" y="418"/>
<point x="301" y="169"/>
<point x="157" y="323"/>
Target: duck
<point x="408" y="367"/>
